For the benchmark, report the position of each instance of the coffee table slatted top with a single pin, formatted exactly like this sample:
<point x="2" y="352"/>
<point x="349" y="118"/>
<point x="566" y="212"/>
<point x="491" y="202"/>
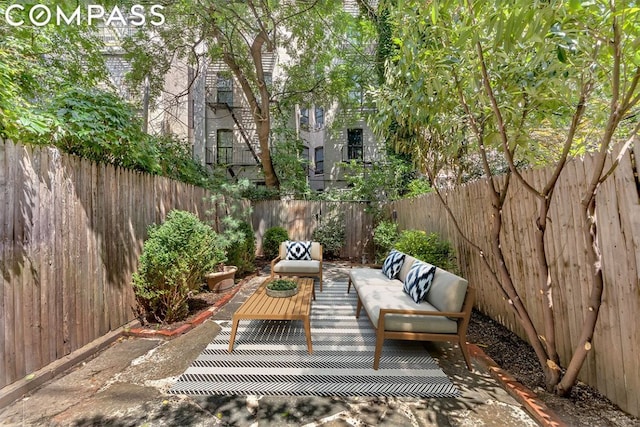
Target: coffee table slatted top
<point x="263" y="307"/>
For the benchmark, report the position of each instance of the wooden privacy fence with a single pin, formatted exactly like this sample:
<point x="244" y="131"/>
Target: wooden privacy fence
<point x="614" y="362"/>
<point x="300" y="218"/>
<point x="71" y="232"/>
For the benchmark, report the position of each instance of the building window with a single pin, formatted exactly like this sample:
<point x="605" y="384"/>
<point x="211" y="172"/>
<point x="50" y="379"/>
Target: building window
<point x="225" y="146"/>
<point x="319" y="117"/>
<point x="319" y="160"/>
<point x="304" y="118"/>
<point x="208" y="153"/>
<point x="304" y="156"/>
<point x="354" y="144"/>
<point x="356" y="96"/>
<point x="224" y="90"/>
<point x="268" y="79"/>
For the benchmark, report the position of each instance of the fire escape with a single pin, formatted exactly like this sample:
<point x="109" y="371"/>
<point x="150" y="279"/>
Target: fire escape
<point x="222" y="101"/>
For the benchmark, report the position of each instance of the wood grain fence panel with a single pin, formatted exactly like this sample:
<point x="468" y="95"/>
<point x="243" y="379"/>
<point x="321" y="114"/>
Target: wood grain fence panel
<point x="31" y="289"/>
<point x="300" y="218"/>
<point x="608" y="335"/>
<point x="8" y="333"/>
<point x="20" y="263"/>
<point x="102" y="197"/>
<point x="4" y="255"/>
<point x="58" y="254"/>
<point x="631" y="222"/>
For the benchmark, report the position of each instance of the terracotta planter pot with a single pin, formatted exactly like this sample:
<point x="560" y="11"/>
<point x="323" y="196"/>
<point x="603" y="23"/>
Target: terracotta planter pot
<point x="220" y="281"/>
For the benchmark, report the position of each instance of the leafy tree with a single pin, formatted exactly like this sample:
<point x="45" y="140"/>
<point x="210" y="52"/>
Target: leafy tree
<point x="240" y="35"/>
<point x="492" y="82"/>
<point x="35" y="62"/>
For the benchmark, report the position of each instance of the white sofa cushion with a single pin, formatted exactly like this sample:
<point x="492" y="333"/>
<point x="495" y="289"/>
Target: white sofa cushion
<point x="361" y="277"/>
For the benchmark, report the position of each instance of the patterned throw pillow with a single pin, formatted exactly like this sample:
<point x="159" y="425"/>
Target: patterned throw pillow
<point x="418" y="281"/>
<point x="393" y="264"/>
<point x="299" y="251"/>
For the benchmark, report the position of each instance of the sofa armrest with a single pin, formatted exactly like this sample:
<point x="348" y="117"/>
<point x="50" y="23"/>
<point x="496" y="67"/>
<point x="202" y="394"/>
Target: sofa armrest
<point x="273" y="264"/>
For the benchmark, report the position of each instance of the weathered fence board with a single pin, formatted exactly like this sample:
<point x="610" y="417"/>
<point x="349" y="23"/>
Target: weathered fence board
<point x="300" y="218"/>
<point x="613" y="365"/>
<point x="71" y="232"/>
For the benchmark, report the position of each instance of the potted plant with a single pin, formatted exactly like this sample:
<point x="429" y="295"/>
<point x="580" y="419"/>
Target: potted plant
<point x="282" y="288"/>
<point x="221" y="279"/>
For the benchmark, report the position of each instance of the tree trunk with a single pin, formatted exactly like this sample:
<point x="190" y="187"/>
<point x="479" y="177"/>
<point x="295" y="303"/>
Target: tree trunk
<point x="590" y="231"/>
<point x="552" y="370"/>
<point x="270" y="177"/>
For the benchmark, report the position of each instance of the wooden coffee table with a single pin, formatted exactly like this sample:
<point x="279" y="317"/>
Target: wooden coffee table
<point x="263" y="307"/>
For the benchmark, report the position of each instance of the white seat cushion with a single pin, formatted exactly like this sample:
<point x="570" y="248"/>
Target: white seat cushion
<point x="290" y="267"/>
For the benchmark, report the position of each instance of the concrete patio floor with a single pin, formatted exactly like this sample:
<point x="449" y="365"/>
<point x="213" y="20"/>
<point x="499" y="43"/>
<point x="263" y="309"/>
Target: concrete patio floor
<point x="126" y="384"/>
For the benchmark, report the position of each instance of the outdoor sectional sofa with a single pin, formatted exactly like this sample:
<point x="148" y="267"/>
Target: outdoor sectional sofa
<point x="443" y="315"/>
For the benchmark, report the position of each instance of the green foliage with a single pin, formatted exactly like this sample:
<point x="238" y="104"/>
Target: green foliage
<point x="282" y="285"/>
<point x="428" y="248"/>
<point x="242" y="254"/>
<point x="256" y="193"/>
<point x="174" y="259"/>
<point x="271" y="241"/>
<point x="35" y="63"/>
<point x="232" y="216"/>
<point x="331" y="235"/>
<point x="99" y="126"/>
<point x="377" y="183"/>
<point x="417" y="187"/>
<point x="289" y="164"/>
<point x="384" y="236"/>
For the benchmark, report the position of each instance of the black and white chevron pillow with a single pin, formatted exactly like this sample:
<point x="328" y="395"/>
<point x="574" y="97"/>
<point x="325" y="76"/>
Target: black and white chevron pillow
<point x="299" y="251"/>
<point x="393" y="264"/>
<point x="418" y="281"/>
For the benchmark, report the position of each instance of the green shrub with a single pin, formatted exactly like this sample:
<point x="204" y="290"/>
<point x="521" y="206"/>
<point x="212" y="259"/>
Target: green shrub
<point x="271" y="241"/>
<point x="384" y="236"/>
<point x="174" y="259"/>
<point x="331" y="235"/>
<point x="427" y="247"/>
<point x="242" y="253"/>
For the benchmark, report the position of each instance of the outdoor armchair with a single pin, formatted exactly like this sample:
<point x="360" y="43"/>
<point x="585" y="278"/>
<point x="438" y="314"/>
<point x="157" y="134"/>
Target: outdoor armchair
<point x="298" y="259"/>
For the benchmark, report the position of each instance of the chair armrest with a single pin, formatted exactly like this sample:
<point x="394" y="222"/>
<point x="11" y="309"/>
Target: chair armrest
<point x="274" y="261"/>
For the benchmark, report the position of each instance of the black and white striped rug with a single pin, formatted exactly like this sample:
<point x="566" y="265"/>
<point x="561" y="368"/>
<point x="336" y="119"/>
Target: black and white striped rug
<point x="271" y="358"/>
